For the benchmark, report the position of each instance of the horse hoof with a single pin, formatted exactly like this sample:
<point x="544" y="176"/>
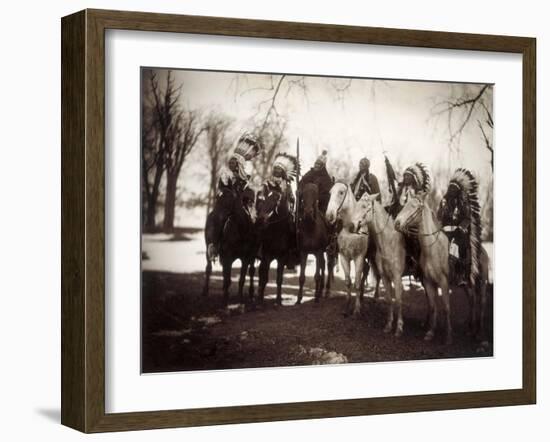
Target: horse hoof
<point x="298" y="302"/>
<point x="429" y="336"/>
<point x="398" y="333"/>
<point x="387" y="328"/>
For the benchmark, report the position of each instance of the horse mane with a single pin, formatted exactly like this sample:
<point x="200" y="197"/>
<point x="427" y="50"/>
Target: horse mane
<point x="469" y="185"/>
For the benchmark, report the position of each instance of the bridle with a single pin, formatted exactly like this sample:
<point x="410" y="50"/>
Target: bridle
<point x="343" y="200"/>
<point x="416" y="214"/>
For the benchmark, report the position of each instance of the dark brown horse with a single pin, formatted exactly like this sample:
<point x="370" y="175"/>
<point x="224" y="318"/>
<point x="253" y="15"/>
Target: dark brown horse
<point x="231" y="226"/>
<point x="276" y="235"/>
<point x="312" y="237"/>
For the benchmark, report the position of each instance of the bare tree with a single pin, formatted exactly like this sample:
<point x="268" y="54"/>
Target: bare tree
<point x="165" y="120"/>
<point x="217" y="146"/>
<point x="187" y="130"/>
<point x="157" y="112"/>
<point x="472" y="103"/>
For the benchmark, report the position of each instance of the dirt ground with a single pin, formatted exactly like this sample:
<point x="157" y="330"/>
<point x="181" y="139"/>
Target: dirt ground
<point x="183" y="330"/>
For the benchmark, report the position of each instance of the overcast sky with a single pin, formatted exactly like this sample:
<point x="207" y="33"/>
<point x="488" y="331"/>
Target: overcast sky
<point x="363" y="117"/>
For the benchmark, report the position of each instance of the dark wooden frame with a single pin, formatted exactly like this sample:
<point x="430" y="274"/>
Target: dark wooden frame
<point x="83" y="217"/>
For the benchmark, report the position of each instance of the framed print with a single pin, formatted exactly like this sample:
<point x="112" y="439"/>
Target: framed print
<point x="267" y="221"/>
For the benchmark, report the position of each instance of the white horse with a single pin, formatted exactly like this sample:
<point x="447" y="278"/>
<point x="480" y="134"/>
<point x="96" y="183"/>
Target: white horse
<point x="390" y="253"/>
<point x="352" y="246"/>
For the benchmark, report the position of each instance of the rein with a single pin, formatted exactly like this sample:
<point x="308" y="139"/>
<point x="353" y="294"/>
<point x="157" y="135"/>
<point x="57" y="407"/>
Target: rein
<point x="415" y="215"/>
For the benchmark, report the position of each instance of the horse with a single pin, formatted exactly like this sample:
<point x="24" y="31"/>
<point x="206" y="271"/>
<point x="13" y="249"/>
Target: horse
<point x="352" y="246"/>
<point x="276" y="236"/>
<point x="390" y="253"/>
<point x="231" y="224"/>
<point x="312" y="238"/>
<point x="434" y="261"/>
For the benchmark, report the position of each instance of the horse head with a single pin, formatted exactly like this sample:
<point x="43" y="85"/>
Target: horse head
<point x="269" y="206"/>
<point x="411" y="214"/>
<point x="309" y="198"/>
<point x="363" y="213"/>
<point x="339" y="202"/>
<point x="248" y="199"/>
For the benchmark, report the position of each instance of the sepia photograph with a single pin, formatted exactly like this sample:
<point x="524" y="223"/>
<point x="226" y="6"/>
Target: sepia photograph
<point x="295" y="220"/>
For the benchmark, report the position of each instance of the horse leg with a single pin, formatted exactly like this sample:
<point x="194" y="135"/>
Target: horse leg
<point x="207" y="273"/>
<point x="330" y="274"/>
<point x="447" y="306"/>
<point x="364" y="279"/>
<point x="302" y="279"/>
<point x="359" y="262"/>
<point x="426" y="322"/>
<point x="430" y="289"/>
<point x="280" y="271"/>
<point x="251" y="271"/>
<point x="481" y="336"/>
<point x="263" y="273"/>
<point x="388" y="292"/>
<point x="398" y="291"/>
<point x="472" y="321"/>
<point x="242" y="279"/>
<point x="226" y="269"/>
<point x="346" y="268"/>
<point x="320" y="284"/>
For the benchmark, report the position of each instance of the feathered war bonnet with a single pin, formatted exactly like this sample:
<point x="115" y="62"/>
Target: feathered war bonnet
<point x="465" y="181"/>
<point x="421" y="176"/>
<point x="247" y="147"/>
<point x="287" y="163"/>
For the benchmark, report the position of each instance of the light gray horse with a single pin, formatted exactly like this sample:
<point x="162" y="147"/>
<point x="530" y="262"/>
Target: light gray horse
<point x="352" y="246"/>
<point x="390" y="253"/>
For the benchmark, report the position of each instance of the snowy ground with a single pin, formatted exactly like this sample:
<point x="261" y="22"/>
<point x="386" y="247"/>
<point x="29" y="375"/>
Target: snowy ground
<point x="185" y="253"/>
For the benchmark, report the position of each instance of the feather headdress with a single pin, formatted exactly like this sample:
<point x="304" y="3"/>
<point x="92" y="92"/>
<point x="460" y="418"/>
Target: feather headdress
<point x="420" y="174"/>
<point x="467" y="183"/>
<point x="288" y="163"/>
<point x="248" y="146"/>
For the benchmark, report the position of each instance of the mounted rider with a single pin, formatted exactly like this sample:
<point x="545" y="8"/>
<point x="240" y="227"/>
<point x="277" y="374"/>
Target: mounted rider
<point x="459" y="214"/>
<point x="234" y="181"/>
<point x="234" y="177"/>
<point x="284" y="171"/>
<point x="416" y="178"/>
<point x="365" y="182"/>
<point x="319" y="176"/>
